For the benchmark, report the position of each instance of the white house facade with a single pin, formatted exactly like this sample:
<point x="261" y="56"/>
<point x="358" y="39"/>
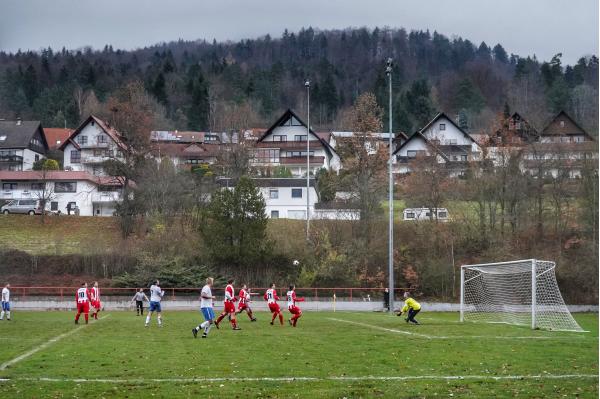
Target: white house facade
<point x="65" y="192"/>
<point x="22" y="143"/>
<point x="92" y="143"/>
<point x="285" y="144"/>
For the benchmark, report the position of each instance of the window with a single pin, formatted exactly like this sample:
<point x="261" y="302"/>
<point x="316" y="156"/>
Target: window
<point x="9" y="186"/>
<point x="562" y="123"/>
<point x="37" y="157"/>
<point x="411" y="154"/>
<point x="35" y="142"/>
<point x="97" y="170"/>
<point x="300" y="137"/>
<point x="14" y="168"/>
<point x="102" y="139"/>
<point x="578" y="139"/>
<point x="442" y="214"/>
<point x="98" y="153"/>
<point x="452" y="142"/>
<point x="54" y="206"/>
<point x="463" y="158"/>
<point x="410" y="215"/>
<point x="3" y="138"/>
<point x="82" y="140"/>
<point x="75" y="156"/>
<point x="37" y="186"/>
<point x="279" y="138"/>
<point x="267" y="155"/>
<point x="289" y="154"/>
<point x="27" y="202"/>
<point x="442" y="126"/>
<point x="106" y="188"/>
<point x="65" y="187"/>
<point x="296" y="193"/>
<point x="273" y="193"/>
<point x="274" y="214"/>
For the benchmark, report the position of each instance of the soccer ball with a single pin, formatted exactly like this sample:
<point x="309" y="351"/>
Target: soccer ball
<point x="296" y="262"/>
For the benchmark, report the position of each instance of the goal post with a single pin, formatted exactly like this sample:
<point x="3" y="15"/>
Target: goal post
<point x="523" y="292"/>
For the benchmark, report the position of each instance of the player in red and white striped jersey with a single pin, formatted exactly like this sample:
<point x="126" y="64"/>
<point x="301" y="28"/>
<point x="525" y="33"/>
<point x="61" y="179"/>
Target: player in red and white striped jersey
<point x="244" y="302"/>
<point x="83" y="303"/>
<point x="291" y="302"/>
<point x="95" y="299"/>
<point x="272" y="298"/>
<point x="229" y="306"/>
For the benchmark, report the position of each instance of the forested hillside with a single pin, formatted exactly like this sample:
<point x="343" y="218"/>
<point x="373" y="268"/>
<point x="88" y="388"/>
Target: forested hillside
<point x="222" y="86"/>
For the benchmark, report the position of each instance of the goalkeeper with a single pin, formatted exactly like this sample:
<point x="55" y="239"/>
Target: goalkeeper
<point x="412" y="307"/>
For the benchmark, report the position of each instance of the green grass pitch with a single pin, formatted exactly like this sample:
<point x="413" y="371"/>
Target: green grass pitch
<point x="329" y="355"/>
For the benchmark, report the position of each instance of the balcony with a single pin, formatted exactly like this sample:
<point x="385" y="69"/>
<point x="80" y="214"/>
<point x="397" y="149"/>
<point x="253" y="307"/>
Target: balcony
<point x="20" y="194"/>
<point x="289" y="145"/>
<point x="11" y="159"/>
<point x="301" y="160"/>
<point x="94" y="158"/>
<point x="106" y="196"/>
<point x="94" y="144"/>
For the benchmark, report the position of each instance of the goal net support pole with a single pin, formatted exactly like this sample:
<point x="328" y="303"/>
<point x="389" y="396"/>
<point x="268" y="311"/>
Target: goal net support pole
<point x="523" y="292"/>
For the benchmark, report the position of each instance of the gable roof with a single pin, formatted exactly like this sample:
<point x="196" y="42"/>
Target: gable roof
<point x="56" y="134"/>
<point x="571" y="127"/>
<point x="19" y="133"/>
<point x="443" y="115"/>
<point x="289" y="114"/>
<point x="110" y="131"/>
<point x="438" y="149"/>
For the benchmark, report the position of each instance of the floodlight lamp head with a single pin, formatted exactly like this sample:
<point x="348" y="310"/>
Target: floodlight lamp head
<point x="307" y="83"/>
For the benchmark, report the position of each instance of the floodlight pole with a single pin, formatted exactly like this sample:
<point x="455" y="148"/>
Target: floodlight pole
<point x="388" y="71"/>
<point x="307" y="85"/>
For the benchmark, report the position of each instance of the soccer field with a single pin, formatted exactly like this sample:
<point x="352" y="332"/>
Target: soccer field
<point x="329" y="355"/>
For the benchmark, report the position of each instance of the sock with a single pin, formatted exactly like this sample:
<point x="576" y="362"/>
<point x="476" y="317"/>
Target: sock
<point x="273" y="318"/>
<point x="203" y="325"/>
<point x="1" y="315"/>
<point x="148" y="319"/>
<point x="221" y="316"/>
<point x="207" y="329"/>
<point x="8" y="314"/>
<point x="87" y="316"/>
<point x="77" y="316"/>
<point x="250" y="314"/>
<point x="233" y="323"/>
<point x="159" y="320"/>
<point x="280" y="318"/>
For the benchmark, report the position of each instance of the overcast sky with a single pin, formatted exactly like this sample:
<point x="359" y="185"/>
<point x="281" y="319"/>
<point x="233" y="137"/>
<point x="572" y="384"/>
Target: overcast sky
<point x="524" y="27"/>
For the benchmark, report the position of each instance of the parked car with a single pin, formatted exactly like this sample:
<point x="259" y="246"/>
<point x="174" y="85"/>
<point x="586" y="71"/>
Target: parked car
<point x="425" y="214"/>
<point x="24" y="206"/>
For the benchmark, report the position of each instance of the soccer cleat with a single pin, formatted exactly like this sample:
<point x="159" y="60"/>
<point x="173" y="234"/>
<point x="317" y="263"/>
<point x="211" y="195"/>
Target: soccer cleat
<point x="204" y="335"/>
<point x="406" y="319"/>
<point x="76" y="321"/>
<point x="236" y="328"/>
<point x="253" y="319"/>
<point x="271" y="323"/>
<point x="195" y="332"/>
<point x="146" y="325"/>
<point x="216" y="325"/>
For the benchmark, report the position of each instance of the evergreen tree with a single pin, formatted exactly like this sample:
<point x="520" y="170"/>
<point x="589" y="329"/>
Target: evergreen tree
<point x="198" y="110"/>
<point x="30" y="84"/>
<point x="500" y="54"/>
<point x="468" y="97"/>
<point x="158" y="89"/>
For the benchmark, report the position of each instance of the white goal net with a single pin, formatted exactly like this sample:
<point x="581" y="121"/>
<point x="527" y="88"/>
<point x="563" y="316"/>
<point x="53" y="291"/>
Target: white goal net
<point x="523" y="292"/>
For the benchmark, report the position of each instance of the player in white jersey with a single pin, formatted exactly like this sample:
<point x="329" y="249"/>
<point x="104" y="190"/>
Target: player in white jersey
<point x="156" y="295"/>
<point x="5" y="302"/>
<point x="206" y="307"/>
<point x="291" y="302"/>
<point x="83" y="303"/>
<point x="95" y="300"/>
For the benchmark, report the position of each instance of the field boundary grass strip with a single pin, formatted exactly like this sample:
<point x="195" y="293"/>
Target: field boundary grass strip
<point x="46" y="344"/>
<point x="301" y="379"/>
<point x="425" y="336"/>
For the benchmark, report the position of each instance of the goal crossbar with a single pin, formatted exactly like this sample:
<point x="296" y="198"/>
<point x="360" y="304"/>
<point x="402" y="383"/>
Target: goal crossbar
<point x="521" y="292"/>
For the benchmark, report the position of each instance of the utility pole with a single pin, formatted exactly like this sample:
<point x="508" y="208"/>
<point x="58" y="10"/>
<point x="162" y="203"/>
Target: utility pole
<point x="307" y="85"/>
<point x="388" y="72"/>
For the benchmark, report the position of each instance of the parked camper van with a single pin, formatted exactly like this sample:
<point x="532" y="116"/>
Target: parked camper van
<point x="426" y="214"/>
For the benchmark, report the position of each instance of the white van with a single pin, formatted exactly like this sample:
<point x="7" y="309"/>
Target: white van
<point x="425" y="214"/>
<point x="24" y="206"/>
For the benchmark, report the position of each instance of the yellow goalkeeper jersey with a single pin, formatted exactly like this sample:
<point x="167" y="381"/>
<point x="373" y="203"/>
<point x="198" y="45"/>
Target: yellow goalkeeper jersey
<point x="411" y="304"/>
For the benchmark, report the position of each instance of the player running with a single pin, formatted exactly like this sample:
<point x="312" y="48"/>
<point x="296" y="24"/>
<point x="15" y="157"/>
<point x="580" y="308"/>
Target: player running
<point x="95" y="299"/>
<point x="139" y="299"/>
<point x="294" y="310"/>
<point x="156" y="295"/>
<point x="83" y="303"/>
<point x="229" y="306"/>
<point x="413" y="307"/>
<point x="244" y="303"/>
<point x="272" y="298"/>
<point x="5" y="303"/>
<point x="206" y="307"/>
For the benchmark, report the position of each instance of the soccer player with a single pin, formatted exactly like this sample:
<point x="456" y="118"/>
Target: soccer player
<point x="294" y="310"/>
<point x="413" y="307"/>
<point x="95" y="299"/>
<point x="156" y="295"/>
<point x="206" y="307"/>
<point x="5" y="303"/>
<point x="229" y="308"/>
<point x="244" y="303"/>
<point x="83" y="303"/>
<point x="139" y="299"/>
<point x="272" y="298"/>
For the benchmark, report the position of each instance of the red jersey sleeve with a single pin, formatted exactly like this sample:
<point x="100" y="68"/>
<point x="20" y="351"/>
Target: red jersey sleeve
<point x="295" y="298"/>
<point x="275" y="295"/>
<point x="265" y="296"/>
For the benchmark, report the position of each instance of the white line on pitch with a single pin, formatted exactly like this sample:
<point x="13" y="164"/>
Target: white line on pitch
<point x="425" y="336"/>
<point x="46" y="344"/>
<point x="330" y="378"/>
